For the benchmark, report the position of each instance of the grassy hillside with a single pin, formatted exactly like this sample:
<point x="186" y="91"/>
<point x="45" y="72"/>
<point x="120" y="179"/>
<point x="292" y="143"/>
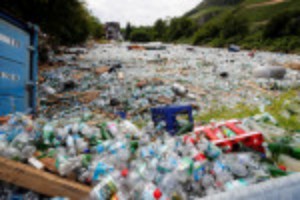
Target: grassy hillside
<point x="207" y="7"/>
<point x="244" y="22"/>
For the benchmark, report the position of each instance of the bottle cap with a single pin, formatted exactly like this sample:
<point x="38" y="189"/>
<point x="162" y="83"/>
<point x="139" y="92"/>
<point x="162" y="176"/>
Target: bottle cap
<point x="124" y="172"/>
<point x="282" y="167"/>
<point x="157" y="193"/>
<point x="200" y="157"/>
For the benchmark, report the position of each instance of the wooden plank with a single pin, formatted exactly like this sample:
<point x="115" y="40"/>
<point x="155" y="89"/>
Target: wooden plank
<point x="40" y="181"/>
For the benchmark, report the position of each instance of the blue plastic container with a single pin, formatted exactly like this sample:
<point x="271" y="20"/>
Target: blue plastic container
<point x="168" y="114"/>
<point x="18" y="66"/>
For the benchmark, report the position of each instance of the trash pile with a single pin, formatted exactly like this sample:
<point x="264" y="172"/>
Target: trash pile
<point x="9" y="191"/>
<point x="119" y="159"/>
<point x="111" y="79"/>
<point x="87" y="114"/>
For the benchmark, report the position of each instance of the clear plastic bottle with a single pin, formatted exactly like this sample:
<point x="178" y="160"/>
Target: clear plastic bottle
<point x="70" y="142"/>
<point x="210" y="150"/>
<point x="104" y="190"/>
<point x="121" y="179"/>
<point x="67" y="165"/>
<point x="238" y="169"/>
<point x="207" y="181"/>
<point x="113" y="128"/>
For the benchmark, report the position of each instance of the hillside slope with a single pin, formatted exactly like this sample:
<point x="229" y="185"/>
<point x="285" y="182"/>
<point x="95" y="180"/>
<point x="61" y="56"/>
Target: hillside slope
<point x="210" y="6"/>
<point x="251" y="18"/>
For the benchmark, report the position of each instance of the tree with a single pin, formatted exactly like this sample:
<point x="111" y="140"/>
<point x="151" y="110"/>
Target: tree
<point x="97" y="29"/>
<point x="128" y="31"/>
<point x="207" y="33"/>
<point x="181" y="27"/>
<point x="160" y="28"/>
<point x="234" y="26"/>
<point x="140" y="35"/>
<point x="284" y="24"/>
<point x="68" y="22"/>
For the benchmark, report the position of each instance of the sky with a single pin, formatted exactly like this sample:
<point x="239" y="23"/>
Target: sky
<point x="139" y="12"/>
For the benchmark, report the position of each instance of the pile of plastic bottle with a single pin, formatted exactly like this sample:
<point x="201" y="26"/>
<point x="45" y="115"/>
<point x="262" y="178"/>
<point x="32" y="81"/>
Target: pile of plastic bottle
<point x="201" y="84"/>
<point x="13" y="192"/>
<point x="122" y="161"/>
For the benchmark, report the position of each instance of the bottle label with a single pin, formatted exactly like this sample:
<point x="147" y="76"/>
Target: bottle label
<point x="105" y="190"/>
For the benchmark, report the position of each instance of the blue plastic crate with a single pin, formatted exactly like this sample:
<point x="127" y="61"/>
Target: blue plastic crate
<point x="168" y="114"/>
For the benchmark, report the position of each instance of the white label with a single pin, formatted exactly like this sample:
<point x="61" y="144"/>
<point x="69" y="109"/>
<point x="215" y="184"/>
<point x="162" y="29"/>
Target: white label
<point x="36" y="163"/>
<point x="10" y="41"/>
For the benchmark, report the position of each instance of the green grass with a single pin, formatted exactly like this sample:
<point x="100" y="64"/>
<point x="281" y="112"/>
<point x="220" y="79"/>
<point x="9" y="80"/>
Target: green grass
<point x="286" y="102"/>
<point x="225" y="113"/>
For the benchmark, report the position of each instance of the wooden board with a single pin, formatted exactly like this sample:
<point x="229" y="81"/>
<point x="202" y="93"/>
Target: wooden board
<point x="40" y="181"/>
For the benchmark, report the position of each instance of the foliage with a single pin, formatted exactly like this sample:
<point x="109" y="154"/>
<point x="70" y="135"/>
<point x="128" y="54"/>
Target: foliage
<point x="68" y="22"/>
<point x="160" y="30"/>
<point x="97" y="29"/>
<point x="234" y="26"/>
<point x="180" y="27"/>
<point x="141" y="35"/>
<point x="284" y="24"/>
<point x="207" y="33"/>
<point x="218" y="33"/>
<point x="127" y="31"/>
<point x="210" y="3"/>
<point x="274" y="27"/>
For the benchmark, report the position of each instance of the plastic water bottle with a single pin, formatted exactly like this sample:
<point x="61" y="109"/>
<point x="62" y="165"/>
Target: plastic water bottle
<point x="70" y="142"/>
<point x="113" y="128"/>
<point x="210" y="150"/>
<point x="121" y="179"/>
<point x="207" y="181"/>
<point x="238" y="169"/>
<point x="104" y="190"/>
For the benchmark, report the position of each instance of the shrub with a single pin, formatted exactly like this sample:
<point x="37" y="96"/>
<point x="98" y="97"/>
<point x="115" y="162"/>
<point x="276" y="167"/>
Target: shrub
<point x="206" y="33"/>
<point x="234" y="26"/>
<point x="140" y="35"/>
<point x="283" y="24"/>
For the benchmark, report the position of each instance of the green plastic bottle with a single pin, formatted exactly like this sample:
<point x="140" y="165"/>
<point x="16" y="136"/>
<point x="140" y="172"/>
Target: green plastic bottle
<point x="278" y="148"/>
<point x="104" y="132"/>
<point x="185" y="129"/>
<point x="275" y="171"/>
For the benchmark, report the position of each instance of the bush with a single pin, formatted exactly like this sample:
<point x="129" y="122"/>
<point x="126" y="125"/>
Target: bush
<point x="68" y="22"/>
<point x="139" y="35"/>
<point x="229" y="29"/>
<point x="206" y="34"/>
<point x="180" y="27"/>
<point x="160" y="29"/>
<point x="254" y="40"/>
<point x="234" y="26"/>
<point x="285" y="44"/>
<point x="283" y="24"/>
<point x="218" y="42"/>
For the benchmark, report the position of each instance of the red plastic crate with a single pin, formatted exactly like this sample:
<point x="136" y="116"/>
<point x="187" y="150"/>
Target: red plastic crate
<point x="253" y="140"/>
